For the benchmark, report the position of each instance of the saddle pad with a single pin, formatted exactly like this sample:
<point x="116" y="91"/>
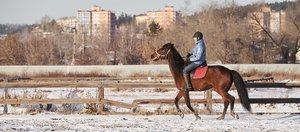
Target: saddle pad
<point x="200" y="72"/>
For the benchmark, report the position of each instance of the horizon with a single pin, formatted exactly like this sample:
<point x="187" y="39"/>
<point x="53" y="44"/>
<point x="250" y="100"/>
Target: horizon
<point x="13" y="11"/>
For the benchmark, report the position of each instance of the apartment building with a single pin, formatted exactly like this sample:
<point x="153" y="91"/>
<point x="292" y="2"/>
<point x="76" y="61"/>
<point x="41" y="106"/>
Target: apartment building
<point x="277" y="22"/>
<point x="96" y="22"/>
<point x="166" y="18"/>
<point x="271" y="21"/>
<point x="84" y="23"/>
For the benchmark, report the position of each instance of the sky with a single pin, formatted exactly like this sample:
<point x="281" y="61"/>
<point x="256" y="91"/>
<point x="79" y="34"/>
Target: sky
<point x="31" y="11"/>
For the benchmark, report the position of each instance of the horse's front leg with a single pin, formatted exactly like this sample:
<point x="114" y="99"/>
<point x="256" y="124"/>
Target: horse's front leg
<point x="178" y="97"/>
<point x="188" y="103"/>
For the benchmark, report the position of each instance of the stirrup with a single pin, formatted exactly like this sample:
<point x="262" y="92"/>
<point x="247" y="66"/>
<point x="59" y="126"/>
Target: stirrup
<point x="185" y="88"/>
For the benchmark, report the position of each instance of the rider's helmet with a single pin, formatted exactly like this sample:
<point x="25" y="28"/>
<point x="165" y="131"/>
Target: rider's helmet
<point x="198" y="35"/>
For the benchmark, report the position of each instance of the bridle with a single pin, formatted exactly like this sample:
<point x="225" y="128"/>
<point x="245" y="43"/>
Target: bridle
<point x="158" y="55"/>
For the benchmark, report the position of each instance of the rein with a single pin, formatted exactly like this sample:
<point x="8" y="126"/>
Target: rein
<point x="161" y="55"/>
<point x="158" y="55"/>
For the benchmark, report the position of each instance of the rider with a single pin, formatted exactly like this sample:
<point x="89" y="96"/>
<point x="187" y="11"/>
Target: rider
<point x="197" y="57"/>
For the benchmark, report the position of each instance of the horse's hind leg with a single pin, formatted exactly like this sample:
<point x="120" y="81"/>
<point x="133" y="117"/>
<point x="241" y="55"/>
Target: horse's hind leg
<point x="188" y="104"/>
<point x="178" y="97"/>
<point x="226" y="100"/>
<point x="232" y="113"/>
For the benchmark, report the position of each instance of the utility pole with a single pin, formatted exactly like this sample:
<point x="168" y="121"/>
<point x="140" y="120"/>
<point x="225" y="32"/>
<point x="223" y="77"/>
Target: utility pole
<point x="74" y="30"/>
<point x="83" y="43"/>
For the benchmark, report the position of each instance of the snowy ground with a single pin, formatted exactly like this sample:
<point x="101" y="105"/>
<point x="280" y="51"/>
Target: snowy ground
<point x="18" y="120"/>
<point x="124" y="123"/>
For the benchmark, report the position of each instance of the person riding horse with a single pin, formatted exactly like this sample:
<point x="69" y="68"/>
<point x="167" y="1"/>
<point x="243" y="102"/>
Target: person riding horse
<point x="218" y="78"/>
<point x="195" y="58"/>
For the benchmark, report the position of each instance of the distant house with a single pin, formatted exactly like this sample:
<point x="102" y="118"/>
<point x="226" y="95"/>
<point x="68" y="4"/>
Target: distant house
<point x="112" y="58"/>
<point x="38" y="31"/>
<point x="3" y="36"/>
<point x="141" y="19"/>
<point x="67" y="23"/>
<point x="298" y="57"/>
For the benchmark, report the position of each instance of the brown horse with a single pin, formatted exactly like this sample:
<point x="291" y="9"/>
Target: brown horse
<point x="217" y="77"/>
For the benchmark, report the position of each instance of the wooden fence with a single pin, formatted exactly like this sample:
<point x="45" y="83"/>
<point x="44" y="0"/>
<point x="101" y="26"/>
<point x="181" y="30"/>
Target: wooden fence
<point x="208" y="100"/>
<point x="99" y="100"/>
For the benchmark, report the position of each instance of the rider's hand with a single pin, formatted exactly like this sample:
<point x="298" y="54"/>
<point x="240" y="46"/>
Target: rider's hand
<point x="188" y="60"/>
<point x="188" y="55"/>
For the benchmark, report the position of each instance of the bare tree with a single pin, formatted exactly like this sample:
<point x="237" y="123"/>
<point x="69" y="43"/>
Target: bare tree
<point x="293" y="29"/>
<point x="277" y="41"/>
<point x="221" y="28"/>
<point x="11" y="51"/>
<point x="130" y="43"/>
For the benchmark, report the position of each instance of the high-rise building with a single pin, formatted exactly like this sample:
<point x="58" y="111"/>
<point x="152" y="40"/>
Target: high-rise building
<point x="96" y="22"/>
<point x="84" y="21"/>
<point x="258" y="20"/>
<point x="271" y="21"/>
<point x="278" y="22"/>
<point x="165" y="18"/>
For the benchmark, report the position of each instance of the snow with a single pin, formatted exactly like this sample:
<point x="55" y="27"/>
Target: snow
<point x="54" y="122"/>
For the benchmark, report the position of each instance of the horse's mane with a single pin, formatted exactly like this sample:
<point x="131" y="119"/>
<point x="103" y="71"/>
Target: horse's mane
<point x="178" y="60"/>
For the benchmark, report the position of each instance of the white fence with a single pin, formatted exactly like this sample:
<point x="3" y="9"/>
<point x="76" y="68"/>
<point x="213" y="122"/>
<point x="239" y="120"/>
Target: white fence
<point x="126" y="70"/>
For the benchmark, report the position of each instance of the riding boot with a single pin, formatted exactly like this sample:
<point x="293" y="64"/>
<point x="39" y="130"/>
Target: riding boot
<point x="188" y="85"/>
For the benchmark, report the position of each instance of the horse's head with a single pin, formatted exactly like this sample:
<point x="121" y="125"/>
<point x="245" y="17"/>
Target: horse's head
<point x="163" y="52"/>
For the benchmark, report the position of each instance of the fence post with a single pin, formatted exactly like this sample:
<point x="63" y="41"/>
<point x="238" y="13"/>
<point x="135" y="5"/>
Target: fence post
<point x="208" y="104"/>
<point x="100" y="97"/>
<point x="5" y="110"/>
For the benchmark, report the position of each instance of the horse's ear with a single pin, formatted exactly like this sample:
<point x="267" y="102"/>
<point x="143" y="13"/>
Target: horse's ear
<point x="171" y="43"/>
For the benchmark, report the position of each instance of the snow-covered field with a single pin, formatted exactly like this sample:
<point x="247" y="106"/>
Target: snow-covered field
<point x="124" y="123"/>
<point x="19" y="120"/>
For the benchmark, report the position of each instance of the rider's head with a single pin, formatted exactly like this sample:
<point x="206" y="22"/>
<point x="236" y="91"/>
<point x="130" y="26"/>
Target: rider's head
<point x="197" y="36"/>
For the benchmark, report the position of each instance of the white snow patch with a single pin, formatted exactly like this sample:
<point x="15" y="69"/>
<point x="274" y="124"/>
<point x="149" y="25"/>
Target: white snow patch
<point x="54" y="122"/>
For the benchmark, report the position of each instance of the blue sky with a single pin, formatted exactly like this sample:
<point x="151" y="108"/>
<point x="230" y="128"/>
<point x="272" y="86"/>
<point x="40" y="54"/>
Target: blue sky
<point x="31" y="11"/>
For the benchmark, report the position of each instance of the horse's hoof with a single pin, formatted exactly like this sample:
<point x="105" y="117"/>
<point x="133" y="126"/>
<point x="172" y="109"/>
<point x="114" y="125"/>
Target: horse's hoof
<point x="234" y="115"/>
<point x="220" y="117"/>
<point x="181" y="115"/>
<point x="198" y="118"/>
<point x="237" y="116"/>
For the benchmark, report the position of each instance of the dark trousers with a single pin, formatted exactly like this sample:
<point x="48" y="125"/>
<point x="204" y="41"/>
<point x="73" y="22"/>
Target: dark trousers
<point x="189" y="68"/>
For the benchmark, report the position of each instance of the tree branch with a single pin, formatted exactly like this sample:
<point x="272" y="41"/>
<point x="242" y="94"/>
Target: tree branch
<point x="256" y="19"/>
<point x="297" y="26"/>
<point x="298" y="36"/>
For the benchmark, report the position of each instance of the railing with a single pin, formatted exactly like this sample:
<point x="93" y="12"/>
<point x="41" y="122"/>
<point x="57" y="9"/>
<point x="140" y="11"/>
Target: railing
<point x="208" y="101"/>
<point x="99" y="100"/>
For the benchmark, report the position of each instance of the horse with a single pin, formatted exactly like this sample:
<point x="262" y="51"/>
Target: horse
<point x="219" y="78"/>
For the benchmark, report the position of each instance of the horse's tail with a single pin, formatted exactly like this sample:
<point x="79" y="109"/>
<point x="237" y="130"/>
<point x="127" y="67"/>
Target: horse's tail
<point x="241" y="89"/>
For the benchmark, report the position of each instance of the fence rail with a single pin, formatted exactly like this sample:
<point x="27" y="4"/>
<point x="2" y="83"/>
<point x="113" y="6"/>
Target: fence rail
<point x="252" y="100"/>
<point x="273" y="85"/>
<point x="118" y="84"/>
<point x="85" y="84"/>
<point x="208" y="101"/>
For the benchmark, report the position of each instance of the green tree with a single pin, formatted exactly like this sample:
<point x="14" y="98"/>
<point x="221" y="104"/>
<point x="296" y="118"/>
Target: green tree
<point x="154" y="29"/>
<point x="124" y="19"/>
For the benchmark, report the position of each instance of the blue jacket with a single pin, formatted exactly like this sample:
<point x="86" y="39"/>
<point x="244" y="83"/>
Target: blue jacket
<point x="198" y="53"/>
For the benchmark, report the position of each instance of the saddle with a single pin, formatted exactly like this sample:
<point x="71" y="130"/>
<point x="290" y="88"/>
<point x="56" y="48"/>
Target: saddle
<point x="199" y="72"/>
